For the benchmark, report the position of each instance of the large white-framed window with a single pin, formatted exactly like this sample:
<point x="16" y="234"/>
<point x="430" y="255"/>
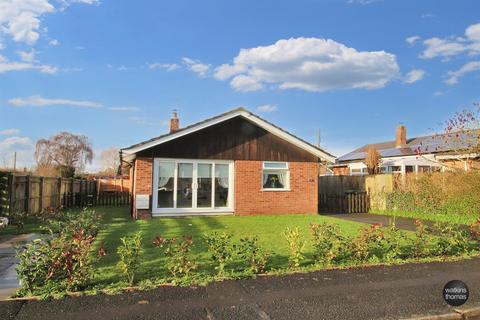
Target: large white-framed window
<point x="275" y="176"/>
<point x="186" y="186"/>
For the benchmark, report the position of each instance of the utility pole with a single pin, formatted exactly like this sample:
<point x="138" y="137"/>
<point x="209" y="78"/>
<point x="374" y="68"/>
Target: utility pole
<point x="15" y="161"/>
<point x="318" y="138"/>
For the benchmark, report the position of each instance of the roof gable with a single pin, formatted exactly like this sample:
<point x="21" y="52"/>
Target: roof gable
<point x="240" y="112"/>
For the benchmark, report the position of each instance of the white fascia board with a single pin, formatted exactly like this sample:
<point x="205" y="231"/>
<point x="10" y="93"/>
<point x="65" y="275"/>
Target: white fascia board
<point x="261" y="123"/>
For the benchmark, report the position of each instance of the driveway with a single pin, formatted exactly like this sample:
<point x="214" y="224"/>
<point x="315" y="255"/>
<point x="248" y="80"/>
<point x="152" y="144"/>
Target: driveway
<point x="379" y="292"/>
<point x="8" y="276"/>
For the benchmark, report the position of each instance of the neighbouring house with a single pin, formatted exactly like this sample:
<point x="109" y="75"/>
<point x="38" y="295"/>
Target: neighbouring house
<point x="234" y="163"/>
<point x="413" y="155"/>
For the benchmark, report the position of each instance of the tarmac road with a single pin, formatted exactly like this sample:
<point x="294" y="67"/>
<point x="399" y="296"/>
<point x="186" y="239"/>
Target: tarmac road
<point x="382" y="292"/>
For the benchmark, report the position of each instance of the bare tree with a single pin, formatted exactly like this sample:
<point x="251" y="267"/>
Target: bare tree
<point x="372" y="160"/>
<point x="68" y="152"/>
<point x="110" y="160"/>
<point x="462" y="132"/>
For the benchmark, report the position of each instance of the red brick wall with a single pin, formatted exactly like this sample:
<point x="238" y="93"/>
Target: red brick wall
<point x="143" y="184"/>
<point x="250" y="200"/>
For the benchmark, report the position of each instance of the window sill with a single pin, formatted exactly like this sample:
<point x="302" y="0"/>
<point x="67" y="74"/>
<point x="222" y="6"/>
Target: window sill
<point x="275" y="190"/>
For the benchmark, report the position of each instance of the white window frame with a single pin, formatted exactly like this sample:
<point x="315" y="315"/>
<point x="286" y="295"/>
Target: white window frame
<point x="166" y="212"/>
<point x="266" y="169"/>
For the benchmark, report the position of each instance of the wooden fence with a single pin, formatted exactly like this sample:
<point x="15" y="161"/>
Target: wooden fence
<point x="335" y="188"/>
<point x="31" y="194"/>
<point x="357" y="202"/>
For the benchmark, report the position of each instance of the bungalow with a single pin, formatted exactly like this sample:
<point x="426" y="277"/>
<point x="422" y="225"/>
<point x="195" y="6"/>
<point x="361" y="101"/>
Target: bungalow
<point x="413" y="155"/>
<point x="234" y="163"/>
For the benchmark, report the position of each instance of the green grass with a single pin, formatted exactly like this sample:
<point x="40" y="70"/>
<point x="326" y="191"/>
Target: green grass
<point x="31" y="225"/>
<point x="450" y="218"/>
<point x="269" y="230"/>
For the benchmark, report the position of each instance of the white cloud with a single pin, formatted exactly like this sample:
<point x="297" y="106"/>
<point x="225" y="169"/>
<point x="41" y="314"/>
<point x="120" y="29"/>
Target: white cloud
<point x="165" y="66"/>
<point x="427" y="16"/>
<point x="21" y="19"/>
<point x="125" y="109"/>
<point x="9" y="132"/>
<point x="414" y="76"/>
<point x="244" y="83"/>
<point x="438" y="93"/>
<point x="9" y="66"/>
<point x="453" y="76"/>
<point x="38" y="101"/>
<point x="411" y="40"/>
<point x="267" y="108"/>
<point x="196" y="66"/>
<point x="310" y="64"/>
<point x="54" y="42"/>
<point x="452" y="46"/>
<point x="27" y="56"/>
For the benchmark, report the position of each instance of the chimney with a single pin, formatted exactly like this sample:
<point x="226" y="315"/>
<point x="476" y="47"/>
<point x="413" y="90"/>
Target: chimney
<point x="174" y="122"/>
<point x="401" y="137"/>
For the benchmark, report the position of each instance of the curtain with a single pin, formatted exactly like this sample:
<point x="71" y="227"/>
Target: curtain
<point x="265" y="178"/>
<point x="282" y="177"/>
<point x="223" y="182"/>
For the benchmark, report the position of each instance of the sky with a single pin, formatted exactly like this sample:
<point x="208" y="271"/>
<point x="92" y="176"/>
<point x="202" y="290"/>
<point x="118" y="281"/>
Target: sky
<point x="114" y="70"/>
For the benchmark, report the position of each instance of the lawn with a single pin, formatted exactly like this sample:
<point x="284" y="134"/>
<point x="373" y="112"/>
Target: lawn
<point x="450" y="218"/>
<point x="269" y="230"/>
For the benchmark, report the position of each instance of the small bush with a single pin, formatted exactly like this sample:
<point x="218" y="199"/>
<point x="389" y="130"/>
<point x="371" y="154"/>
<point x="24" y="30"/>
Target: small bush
<point x="368" y="245"/>
<point x="395" y="244"/>
<point x="328" y="243"/>
<point x="179" y="258"/>
<point x="296" y="244"/>
<point x="129" y="252"/>
<point x="421" y="241"/>
<point x="450" y="240"/>
<point x="71" y="222"/>
<point x="220" y="248"/>
<point x="251" y="251"/>
<point x="56" y="264"/>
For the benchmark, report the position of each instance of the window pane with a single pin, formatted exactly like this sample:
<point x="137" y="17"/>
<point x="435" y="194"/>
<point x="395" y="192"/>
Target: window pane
<point x="184" y="185"/>
<point x="165" y="184"/>
<point x="275" y="165"/>
<point x="274" y="180"/>
<point x="204" y="191"/>
<point x="221" y="185"/>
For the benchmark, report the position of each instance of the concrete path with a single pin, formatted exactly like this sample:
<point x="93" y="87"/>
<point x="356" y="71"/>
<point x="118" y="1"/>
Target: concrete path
<point x="382" y="292"/>
<point x="401" y="222"/>
<point x="8" y="276"/>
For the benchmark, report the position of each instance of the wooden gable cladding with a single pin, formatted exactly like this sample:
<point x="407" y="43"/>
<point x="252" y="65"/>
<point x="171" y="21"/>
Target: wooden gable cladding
<point x="234" y="139"/>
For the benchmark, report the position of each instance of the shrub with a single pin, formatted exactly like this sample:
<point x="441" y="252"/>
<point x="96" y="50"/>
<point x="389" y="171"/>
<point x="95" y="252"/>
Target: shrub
<point x="296" y="244"/>
<point x="328" y="243"/>
<point x="71" y="222"/>
<point x="450" y="239"/>
<point x="179" y="259"/>
<point x="474" y="230"/>
<point x="420" y="245"/>
<point x="220" y="248"/>
<point x="129" y="252"/>
<point x="368" y="245"/>
<point x="35" y="259"/>
<point x="59" y="263"/>
<point x="251" y="251"/>
<point x="395" y="243"/>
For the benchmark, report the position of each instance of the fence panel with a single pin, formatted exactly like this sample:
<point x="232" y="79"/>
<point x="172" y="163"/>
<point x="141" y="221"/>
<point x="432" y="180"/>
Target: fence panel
<point x="347" y="203"/>
<point x="31" y="194"/>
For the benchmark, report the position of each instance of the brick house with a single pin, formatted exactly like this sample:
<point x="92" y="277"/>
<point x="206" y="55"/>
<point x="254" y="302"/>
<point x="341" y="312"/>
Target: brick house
<point x="414" y="155"/>
<point x="234" y="163"/>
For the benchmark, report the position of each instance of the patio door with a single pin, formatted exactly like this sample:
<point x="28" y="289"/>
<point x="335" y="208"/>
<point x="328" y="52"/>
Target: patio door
<point x="192" y="186"/>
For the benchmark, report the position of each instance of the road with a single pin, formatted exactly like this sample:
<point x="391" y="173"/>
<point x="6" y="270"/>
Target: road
<point x="380" y="292"/>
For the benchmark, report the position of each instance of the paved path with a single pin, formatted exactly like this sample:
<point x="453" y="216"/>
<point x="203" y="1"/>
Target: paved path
<point x="8" y="276"/>
<point x="401" y="222"/>
<point x="359" y="293"/>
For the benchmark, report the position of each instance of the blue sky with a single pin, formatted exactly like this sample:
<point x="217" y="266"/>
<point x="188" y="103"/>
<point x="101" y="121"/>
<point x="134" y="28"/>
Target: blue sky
<point x="115" y="69"/>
